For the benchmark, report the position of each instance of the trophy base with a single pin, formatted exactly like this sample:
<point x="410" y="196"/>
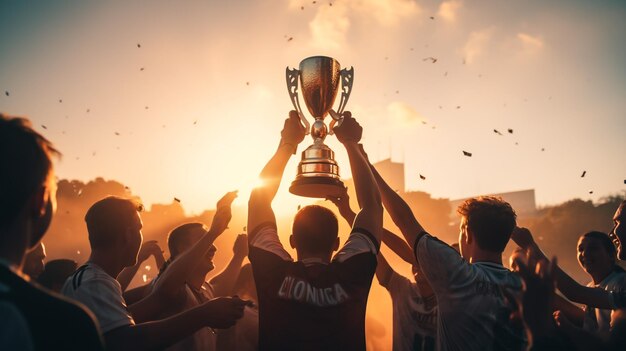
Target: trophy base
<point x="317" y="187"/>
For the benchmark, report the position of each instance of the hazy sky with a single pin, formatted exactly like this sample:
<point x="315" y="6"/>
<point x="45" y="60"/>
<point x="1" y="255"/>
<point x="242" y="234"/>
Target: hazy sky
<point x="204" y="114"/>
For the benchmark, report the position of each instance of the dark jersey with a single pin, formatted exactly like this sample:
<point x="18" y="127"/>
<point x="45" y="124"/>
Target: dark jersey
<point x="310" y="305"/>
<point x="54" y="322"/>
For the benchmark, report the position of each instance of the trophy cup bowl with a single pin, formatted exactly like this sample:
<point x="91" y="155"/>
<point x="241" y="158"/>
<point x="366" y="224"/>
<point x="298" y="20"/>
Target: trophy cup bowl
<point x="319" y="77"/>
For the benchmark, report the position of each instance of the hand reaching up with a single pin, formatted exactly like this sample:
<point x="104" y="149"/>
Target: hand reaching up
<point x="349" y="130"/>
<point x="293" y="131"/>
<point x="240" y="247"/>
<point x="223" y="213"/>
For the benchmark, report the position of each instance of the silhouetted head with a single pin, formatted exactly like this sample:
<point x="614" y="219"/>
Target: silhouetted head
<point x="114" y="226"/>
<point x="33" y="262"/>
<point x="596" y="254"/>
<point x="27" y="184"/>
<point x="315" y="231"/>
<point x="183" y="237"/>
<point x="486" y="223"/>
<point x="618" y="234"/>
<point x="56" y="273"/>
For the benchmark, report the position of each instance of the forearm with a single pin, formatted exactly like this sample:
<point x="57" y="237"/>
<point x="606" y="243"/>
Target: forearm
<point x="178" y="272"/>
<point x="364" y="181"/>
<point x="224" y="282"/>
<point x="398" y="246"/>
<point x="575" y="314"/>
<point x="127" y="275"/>
<point x="398" y="209"/>
<point x="155" y="335"/>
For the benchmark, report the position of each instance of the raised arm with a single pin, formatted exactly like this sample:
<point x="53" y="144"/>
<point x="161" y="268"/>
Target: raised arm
<point x="148" y="248"/>
<point x="224" y="282"/>
<point x="595" y="297"/>
<point x="370" y="217"/>
<point x="178" y="272"/>
<point x="398" y="209"/>
<point x="260" y="203"/>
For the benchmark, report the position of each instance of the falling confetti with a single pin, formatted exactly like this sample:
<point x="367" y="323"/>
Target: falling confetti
<point x="245" y="228"/>
<point x="468" y="154"/>
<point x="177" y="199"/>
<point x="590" y="191"/>
<point x="430" y="58"/>
<point x="247" y="83"/>
<point x="543" y="149"/>
<point x="497" y="132"/>
<point x="116" y="133"/>
<point x="147" y="107"/>
<point x="88" y="110"/>
<point x="290" y="39"/>
<point x="60" y="101"/>
<point x="422" y="177"/>
<point x="195" y="122"/>
<point x="6" y="93"/>
<point x="44" y="126"/>
<point x="458" y="107"/>
<point x="583" y="175"/>
<point x="138" y="45"/>
<point x="299" y="206"/>
<point x="510" y="131"/>
<point x="141" y="69"/>
<point x="432" y="17"/>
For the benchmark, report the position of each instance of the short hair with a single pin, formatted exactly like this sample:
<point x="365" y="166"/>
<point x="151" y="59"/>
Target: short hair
<point x="26" y="163"/>
<point x="490" y="219"/>
<point x="315" y="229"/>
<point x="179" y="235"/>
<point x="109" y="217"/>
<point x="604" y="239"/>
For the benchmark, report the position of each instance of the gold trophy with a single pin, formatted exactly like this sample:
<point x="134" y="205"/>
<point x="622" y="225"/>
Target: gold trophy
<point x="318" y="172"/>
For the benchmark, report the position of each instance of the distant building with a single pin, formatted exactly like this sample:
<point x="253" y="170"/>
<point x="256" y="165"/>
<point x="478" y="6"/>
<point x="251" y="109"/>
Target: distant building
<point x="523" y="202"/>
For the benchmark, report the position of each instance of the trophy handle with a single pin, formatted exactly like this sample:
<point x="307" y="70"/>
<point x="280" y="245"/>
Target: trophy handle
<point x="347" y="78"/>
<point x="292" y="87"/>
<point x="337" y="119"/>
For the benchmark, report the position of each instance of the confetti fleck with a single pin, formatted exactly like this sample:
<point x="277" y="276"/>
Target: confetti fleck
<point x="590" y="191"/>
<point x="430" y="58"/>
<point x="60" y="101"/>
<point x="6" y="93"/>
<point x="138" y="45"/>
<point x="422" y="177"/>
<point x="117" y="133"/>
<point x="247" y="83"/>
<point x="583" y="175"/>
<point x="290" y="39"/>
<point x="458" y="107"/>
<point x="468" y="154"/>
<point x="141" y="69"/>
<point x="510" y="131"/>
<point x="88" y="110"/>
<point x="245" y="228"/>
<point x="177" y="199"/>
<point x="44" y="126"/>
<point x="432" y="17"/>
<point x="146" y="107"/>
<point x="497" y="132"/>
<point x="543" y="149"/>
<point x="195" y="122"/>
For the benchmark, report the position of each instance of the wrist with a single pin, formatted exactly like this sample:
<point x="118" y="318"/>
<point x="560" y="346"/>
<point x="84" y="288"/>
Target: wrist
<point x="288" y="145"/>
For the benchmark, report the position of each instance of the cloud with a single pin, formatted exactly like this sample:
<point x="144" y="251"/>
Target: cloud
<point x="329" y="28"/>
<point x="476" y="44"/>
<point x="403" y="115"/>
<point x="529" y="42"/>
<point x="448" y="10"/>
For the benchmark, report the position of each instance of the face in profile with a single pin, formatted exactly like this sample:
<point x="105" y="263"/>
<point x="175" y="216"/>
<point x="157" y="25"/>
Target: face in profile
<point x="43" y="222"/>
<point x="33" y="263"/>
<point x="593" y="256"/>
<point x="618" y="234"/>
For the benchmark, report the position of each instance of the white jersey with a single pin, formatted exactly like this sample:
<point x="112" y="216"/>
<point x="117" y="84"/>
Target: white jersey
<point x="473" y="310"/>
<point x="599" y="320"/>
<point x="101" y="293"/>
<point x="414" y="317"/>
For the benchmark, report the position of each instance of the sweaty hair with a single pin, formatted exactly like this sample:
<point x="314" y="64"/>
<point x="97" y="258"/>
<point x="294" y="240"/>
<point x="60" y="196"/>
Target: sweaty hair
<point x="315" y="229"/>
<point x="108" y="218"/>
<point x="180" y="235"/>
<point x="491" y="220"/>
<point x="25" y="165"/>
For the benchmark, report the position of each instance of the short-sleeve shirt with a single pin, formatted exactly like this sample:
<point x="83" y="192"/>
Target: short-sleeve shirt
<point x="101" y="293"/>
<point x="310" y="305"/>
<point x="599" y="320"/>
<point x="473" y="308"/>
<point x="414" y="316"/>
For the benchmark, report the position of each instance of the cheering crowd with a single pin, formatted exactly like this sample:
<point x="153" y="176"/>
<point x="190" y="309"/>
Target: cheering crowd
<point x="459" y="298"/>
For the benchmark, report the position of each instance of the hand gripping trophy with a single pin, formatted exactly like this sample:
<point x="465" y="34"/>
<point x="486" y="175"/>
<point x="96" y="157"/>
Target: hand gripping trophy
<point x="318" y="172"/>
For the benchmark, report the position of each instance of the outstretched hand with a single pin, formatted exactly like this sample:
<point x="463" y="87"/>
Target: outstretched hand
<point x="223" y="213"/>
<point x="223" y="312"/>
<point x="349" y="130"/>
<point x="293" y="131"/>
<point x="149" y="248"/>
<point x="342" y="201"/>
<point x="522" y="237"/>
